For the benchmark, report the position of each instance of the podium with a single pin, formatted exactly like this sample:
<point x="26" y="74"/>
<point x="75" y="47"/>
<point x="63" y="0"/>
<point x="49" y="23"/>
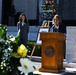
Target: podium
<point x="52" y="52"/>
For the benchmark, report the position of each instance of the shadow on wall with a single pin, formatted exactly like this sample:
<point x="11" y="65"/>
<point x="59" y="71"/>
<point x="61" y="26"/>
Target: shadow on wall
<point x="33" y="22"/>
<point x="17" y="17"/>
<point x="69" y="22"/>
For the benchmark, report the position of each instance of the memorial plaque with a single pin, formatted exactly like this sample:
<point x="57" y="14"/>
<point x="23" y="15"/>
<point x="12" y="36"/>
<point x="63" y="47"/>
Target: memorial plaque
<point x="71" y="44"/>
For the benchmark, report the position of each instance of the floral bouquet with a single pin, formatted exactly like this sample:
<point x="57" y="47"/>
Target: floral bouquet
<point x="27" y="67"/>
<point x="49" y="9"/>
<point x="50" y="5"/>
<point x="21" y="52"/>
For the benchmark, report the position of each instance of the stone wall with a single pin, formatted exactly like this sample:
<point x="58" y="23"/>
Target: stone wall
<point x="29" y="7"/>
<point x="71" y="44"/>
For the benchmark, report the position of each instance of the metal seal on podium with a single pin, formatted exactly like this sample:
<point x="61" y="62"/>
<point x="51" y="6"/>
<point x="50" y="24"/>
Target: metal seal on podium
<point x="49" y="51"/>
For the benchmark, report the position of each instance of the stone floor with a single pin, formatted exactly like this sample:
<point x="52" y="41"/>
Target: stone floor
<point x="70" y="68"/>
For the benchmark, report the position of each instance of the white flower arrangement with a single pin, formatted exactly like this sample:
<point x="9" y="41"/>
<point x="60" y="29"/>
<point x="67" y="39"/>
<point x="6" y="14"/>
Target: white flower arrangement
<point x="26" y="66"/>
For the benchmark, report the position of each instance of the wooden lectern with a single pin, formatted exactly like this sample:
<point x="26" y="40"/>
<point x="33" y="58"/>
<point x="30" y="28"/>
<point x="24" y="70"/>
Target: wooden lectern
<point x="52" y="52"/>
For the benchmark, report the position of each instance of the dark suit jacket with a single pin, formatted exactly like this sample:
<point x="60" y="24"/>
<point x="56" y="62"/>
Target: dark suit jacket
<point x="62" y="28"/>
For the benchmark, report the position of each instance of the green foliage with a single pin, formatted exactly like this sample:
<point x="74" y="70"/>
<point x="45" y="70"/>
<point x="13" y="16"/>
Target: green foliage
<point x="30" y="46"/>
<point x="5" y="50"/>
<point x="16" y="55"/>
<point x="17" y="40"/>
<point x="3" y="31"/>
<point x="16" y="43"/>
<point x="7" y="46"/>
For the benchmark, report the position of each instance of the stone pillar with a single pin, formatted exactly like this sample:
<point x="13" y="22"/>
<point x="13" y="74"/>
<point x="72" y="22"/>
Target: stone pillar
<point x="0" y="11"/>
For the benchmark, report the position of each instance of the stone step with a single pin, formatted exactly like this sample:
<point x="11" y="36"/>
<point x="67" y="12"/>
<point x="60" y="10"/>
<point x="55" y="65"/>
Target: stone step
<point x="33" y="30"/>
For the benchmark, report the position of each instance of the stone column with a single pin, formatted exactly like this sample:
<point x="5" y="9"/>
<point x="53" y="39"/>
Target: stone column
<point x="0" y="11"/>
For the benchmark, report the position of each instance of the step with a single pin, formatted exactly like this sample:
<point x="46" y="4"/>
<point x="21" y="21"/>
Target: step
<point x="33" y="31"/>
